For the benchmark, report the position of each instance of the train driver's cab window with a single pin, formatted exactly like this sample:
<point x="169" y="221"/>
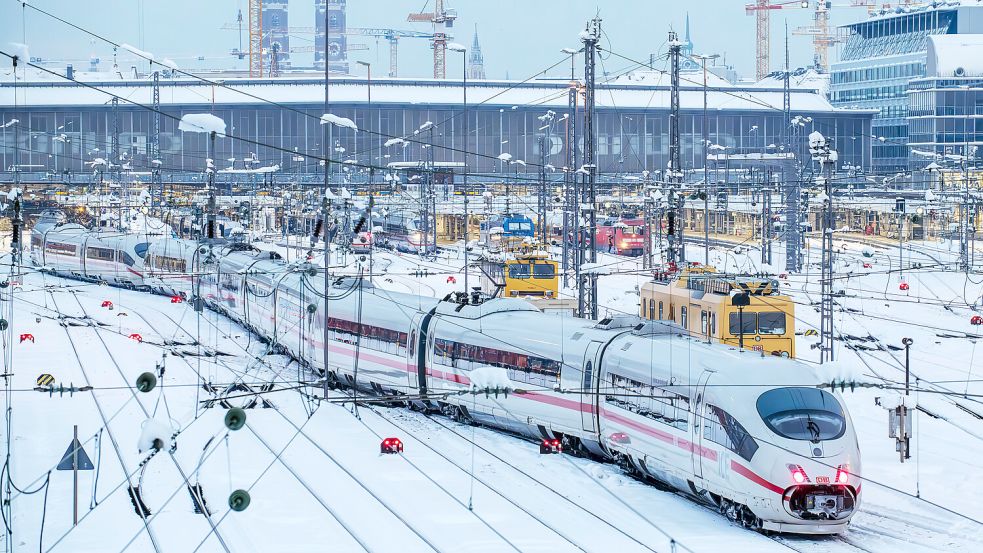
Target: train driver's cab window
<point x="748" y="323"/>
<point x="771" y="323"/>
<point x="543" y="270"/>
<point x="519" y="270"/>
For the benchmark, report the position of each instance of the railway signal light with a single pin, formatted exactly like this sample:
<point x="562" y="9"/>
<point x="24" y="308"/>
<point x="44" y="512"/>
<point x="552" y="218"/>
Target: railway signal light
<point x="108" y="304"/>
<point x="867" y="265"/>
<point x="548" y="447"/>
<point x="976" y="320"/>
<point x="176" y="299"/>
<point x="903" y="287"/>
<point x="26" y="337"/>
<point x="391" y="446"/>
<point x="136" y="337"/>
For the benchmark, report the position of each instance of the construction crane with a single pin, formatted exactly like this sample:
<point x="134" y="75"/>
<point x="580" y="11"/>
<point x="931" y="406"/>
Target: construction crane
<point x="255" y="38"/>
<point x="822" y="36"/>
<point x="392" y="36"/>
<point x="761" y="9"/>
<point x="442" y="19"/>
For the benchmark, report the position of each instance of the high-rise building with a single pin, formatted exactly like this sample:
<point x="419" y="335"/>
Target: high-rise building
<point x="476" y="62"/>
<point x="337" y="47"/>
<point x="275" y="33"/>
<point x="880" y="57"/>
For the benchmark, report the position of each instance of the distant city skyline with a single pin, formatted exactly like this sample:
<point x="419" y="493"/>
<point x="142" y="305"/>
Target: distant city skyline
<point x="518" y="39"/>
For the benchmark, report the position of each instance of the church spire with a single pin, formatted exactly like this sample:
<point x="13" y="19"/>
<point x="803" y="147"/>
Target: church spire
<point x="687" y="43"/>
<point x="476" y="63"/>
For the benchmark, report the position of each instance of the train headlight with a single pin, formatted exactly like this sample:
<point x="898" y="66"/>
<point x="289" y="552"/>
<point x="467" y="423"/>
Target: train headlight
<point x="799" y="475"/>
<point x="842" y="474"/>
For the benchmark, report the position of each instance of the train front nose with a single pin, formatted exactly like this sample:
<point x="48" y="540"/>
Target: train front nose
<point x="828" y="494"/>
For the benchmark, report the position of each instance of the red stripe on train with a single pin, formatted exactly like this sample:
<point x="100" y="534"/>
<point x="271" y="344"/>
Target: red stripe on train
<point x="750" y="475"/>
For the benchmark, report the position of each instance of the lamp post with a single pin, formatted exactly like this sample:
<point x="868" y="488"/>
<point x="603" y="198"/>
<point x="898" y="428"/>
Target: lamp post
<point x="455" y="47"/>
<point x="368" y="70"/>
<point x="706" y="146"/>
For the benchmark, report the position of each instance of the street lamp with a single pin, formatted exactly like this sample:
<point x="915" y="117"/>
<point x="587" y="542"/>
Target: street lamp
<point x="368" y="69"/>
<point x="455" y="47"/>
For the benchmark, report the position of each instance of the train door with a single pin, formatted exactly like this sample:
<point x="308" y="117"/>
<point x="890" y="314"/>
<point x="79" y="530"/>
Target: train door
<point x="83" y="256"/>
<point x="416" y="351"/>
<point x="696" y="432"/>
<point x="588" y="397"/>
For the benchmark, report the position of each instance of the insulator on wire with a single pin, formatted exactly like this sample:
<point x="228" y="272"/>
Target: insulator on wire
<point x="146" y="382"/>
<point x="235" y="418"/>
<point x="239" y="500"/>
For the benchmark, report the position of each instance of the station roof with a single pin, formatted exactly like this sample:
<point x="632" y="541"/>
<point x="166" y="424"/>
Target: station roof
<point x="39" y="90"/>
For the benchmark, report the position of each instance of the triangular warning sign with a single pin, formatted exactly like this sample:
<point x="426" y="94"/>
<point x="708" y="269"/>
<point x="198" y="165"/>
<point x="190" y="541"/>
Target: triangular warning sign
<point x="83" y="459"/>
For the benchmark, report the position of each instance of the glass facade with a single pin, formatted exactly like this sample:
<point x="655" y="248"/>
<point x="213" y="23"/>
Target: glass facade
<point x="879" y="59"/>
<point x="945" y="117"/>
<point x="629" y="140"/>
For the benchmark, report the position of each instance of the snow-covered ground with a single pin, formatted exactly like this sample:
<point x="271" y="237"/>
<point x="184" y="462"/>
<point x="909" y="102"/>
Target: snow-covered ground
<point x="318" y="482"/>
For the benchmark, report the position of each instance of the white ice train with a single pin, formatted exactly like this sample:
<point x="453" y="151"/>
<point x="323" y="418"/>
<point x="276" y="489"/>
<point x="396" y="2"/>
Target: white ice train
<point x="752" y="436"/>
<point x="104" y="255"/>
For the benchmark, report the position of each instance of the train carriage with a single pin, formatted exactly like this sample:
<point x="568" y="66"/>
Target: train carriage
<point x="108" y="256"/>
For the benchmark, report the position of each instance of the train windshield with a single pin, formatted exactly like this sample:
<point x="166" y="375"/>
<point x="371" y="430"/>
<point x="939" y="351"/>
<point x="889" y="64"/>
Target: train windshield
<point x="543" y="270"/>
<point x="802" y="413"/>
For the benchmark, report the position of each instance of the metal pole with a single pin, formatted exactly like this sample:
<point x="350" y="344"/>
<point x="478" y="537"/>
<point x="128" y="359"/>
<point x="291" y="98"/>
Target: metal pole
<point x="706" y="177"/>
<point x="324" y="202"/>
<point x="907" y="361"/>
<point x="677" y="250"/>
<point x="467" y="135"/>
<point x="740" y="332"/>
<point x="211" y="187"/>
<point x="587" y="282"/>
<point x="75" y="476"/>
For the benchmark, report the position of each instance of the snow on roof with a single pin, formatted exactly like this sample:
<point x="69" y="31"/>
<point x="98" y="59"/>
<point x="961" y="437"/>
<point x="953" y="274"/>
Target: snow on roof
<point x="649" y="77"/>
<point x="805" y="78"/>
<point x="954" y="56"/>
<point x="888" y="12"/>
<point x="538" y="94"/>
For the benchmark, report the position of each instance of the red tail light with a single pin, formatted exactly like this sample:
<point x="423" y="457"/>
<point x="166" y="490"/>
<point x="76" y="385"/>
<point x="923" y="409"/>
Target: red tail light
<point x="799" y="475"/>
<point x="842" y="474"/>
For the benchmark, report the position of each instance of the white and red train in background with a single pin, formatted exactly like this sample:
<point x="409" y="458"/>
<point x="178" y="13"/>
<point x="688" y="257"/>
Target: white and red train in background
<point x="753" y="436"/>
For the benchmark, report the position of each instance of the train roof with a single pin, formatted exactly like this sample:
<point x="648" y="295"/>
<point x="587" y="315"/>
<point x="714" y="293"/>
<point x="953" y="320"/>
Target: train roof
<point x="488" y="307"/>
<point x="668" y="352"/>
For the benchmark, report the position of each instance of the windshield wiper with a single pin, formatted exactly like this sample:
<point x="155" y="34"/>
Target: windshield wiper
<point x="813" y="428"/>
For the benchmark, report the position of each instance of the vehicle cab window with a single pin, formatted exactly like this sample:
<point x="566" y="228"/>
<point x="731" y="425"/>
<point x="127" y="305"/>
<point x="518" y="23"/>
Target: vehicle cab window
<point x="802" y="413"/>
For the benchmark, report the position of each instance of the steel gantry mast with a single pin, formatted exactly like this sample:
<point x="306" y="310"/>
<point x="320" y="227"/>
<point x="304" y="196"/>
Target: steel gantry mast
<point x="791" y="185"/>
<point x="570" y="192"/>
<point x="676" y="252"/>
<point x="156" y="182"/>
<point x="587" y="252"/>
<point x="820" y="149"/>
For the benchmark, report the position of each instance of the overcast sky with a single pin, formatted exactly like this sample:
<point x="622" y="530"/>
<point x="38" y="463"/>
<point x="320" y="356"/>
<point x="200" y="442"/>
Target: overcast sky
<point x="518" y="37"/>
